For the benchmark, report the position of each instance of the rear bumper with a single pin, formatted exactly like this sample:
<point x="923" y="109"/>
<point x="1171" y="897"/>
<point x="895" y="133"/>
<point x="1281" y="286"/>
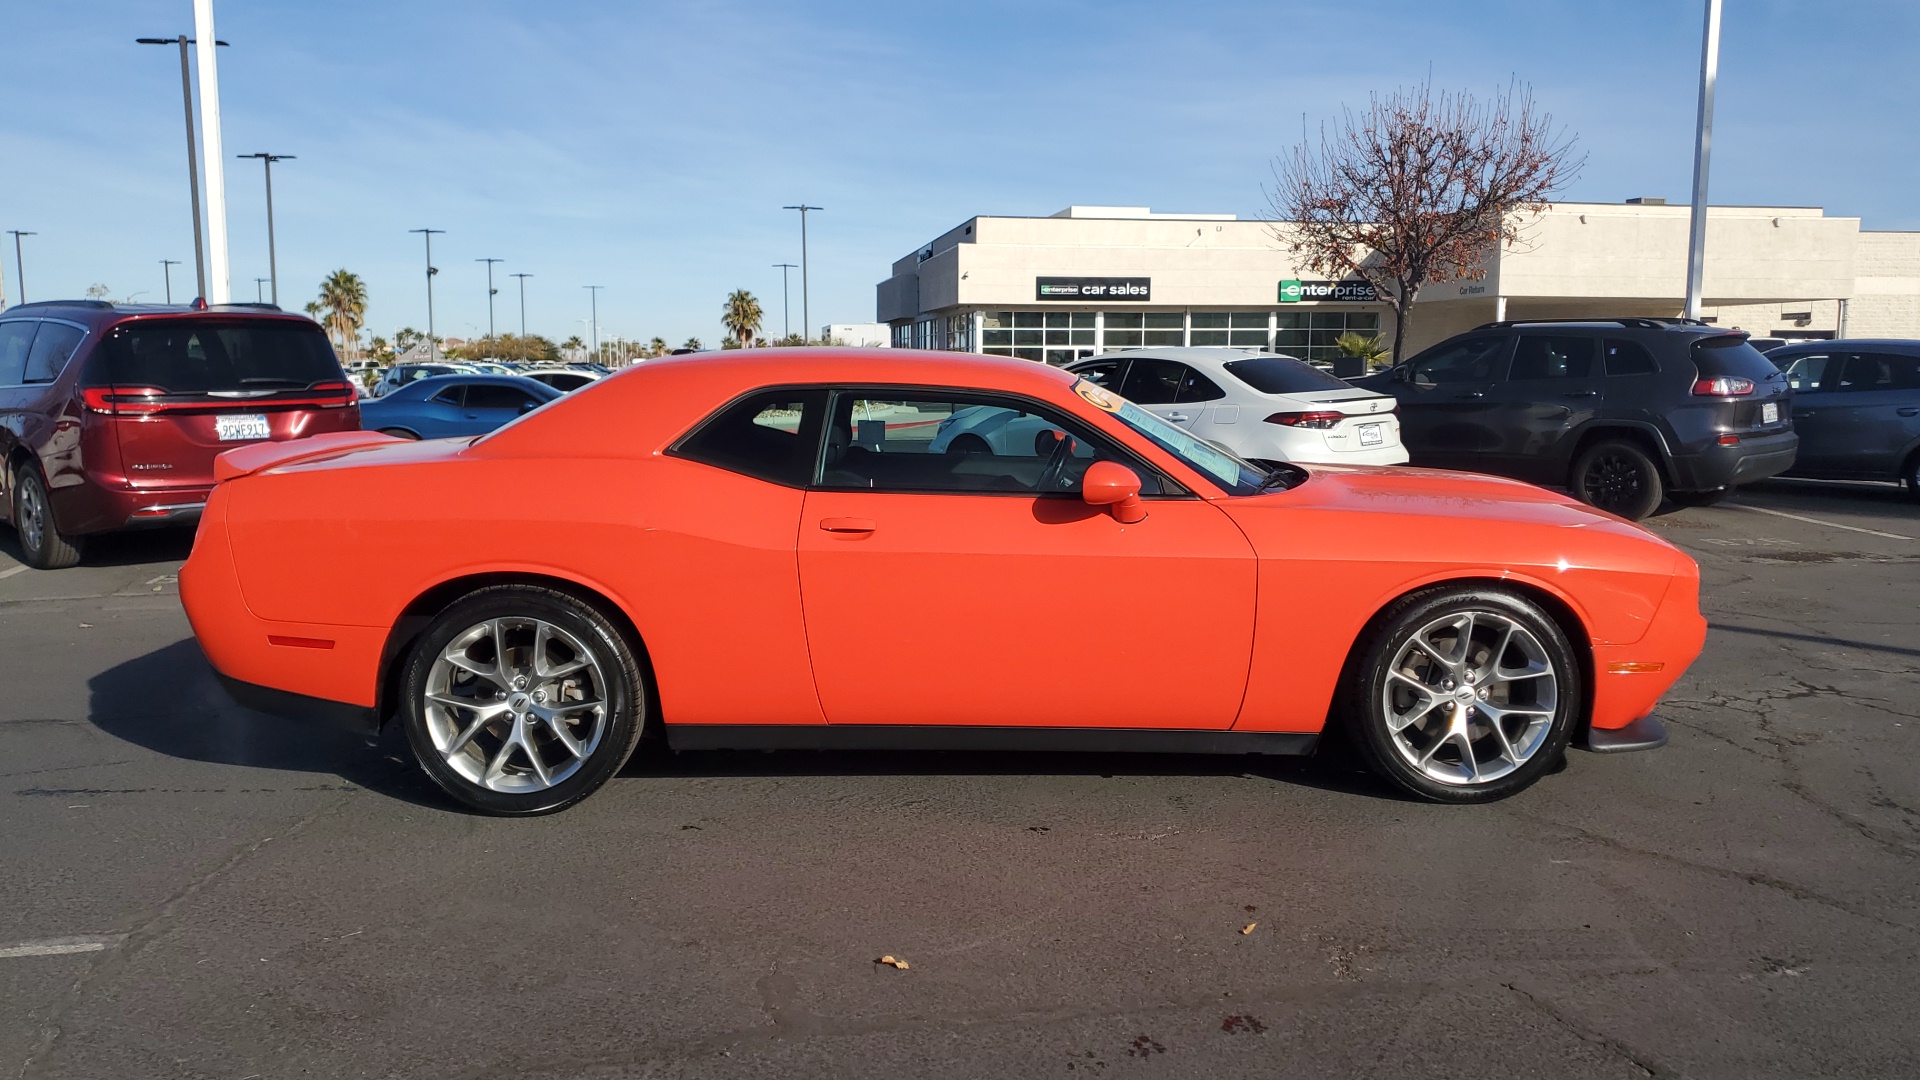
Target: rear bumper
<point x="1723" y="466"/>
<point x="95" y="507"/>
<point x="301" y="707"/>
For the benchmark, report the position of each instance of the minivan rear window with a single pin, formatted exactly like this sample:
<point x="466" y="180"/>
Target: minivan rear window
<point x="1729" y="354"/>
<point x="1283" y="375"/>
<point x="194" y="356"/>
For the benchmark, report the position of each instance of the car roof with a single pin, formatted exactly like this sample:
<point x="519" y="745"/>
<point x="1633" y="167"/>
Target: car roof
<point x="1903" y="344"/>
<point x="96" y="313"/>
<point x="435" y="382"/>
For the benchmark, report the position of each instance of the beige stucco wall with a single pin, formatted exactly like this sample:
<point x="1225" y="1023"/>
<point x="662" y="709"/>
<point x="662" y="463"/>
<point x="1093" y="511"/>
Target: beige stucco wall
<point x="1886" y="297"/>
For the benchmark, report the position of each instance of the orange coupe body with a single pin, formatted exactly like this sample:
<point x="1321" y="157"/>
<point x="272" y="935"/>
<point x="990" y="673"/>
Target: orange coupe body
<point x="1136" y="598"/>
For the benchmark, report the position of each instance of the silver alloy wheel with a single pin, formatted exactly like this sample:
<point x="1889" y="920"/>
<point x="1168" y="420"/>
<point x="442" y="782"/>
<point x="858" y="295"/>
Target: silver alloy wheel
<point x="33" y="514"/>
<point x="515" y="705"/>
<point x="1470" y="698"/>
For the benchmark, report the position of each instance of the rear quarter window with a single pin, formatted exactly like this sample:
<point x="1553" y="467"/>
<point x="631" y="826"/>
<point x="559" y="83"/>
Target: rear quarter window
<point x="1729" y="354"/>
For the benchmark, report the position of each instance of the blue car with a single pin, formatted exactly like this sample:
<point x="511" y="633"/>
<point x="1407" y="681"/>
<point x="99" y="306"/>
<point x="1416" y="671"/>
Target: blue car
<point x="453" y="405"/>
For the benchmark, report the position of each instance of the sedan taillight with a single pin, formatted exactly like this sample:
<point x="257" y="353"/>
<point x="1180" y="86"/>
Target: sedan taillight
<point x="1317" y="420"/>
<point x="1723" y="386"/>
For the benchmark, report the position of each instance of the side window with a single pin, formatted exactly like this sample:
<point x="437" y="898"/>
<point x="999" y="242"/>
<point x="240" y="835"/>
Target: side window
<point x="1628" y="358"/>
<point x="1474" y="360"/>
<point x="493" y="396"/>
<point x="1805" y="372"/>
<point x="51" y="351"/>
<point x="16" y="340"/>
<point x="1905" y="370"/>
<point x="1543" y="356"/>
<point x="1862" y="372"/>
<point x="451" y="395"/>
<point x="773" y="435"/>
<point x="1105" y="374"/>
<point x="1197" y="387"/>
<point x="1153" y="382"/>
<point x="909" y="442"/>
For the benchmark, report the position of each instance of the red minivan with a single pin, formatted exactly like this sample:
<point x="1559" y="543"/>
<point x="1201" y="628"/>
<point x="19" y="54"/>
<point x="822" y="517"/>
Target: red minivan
<point x="111" y="415"/>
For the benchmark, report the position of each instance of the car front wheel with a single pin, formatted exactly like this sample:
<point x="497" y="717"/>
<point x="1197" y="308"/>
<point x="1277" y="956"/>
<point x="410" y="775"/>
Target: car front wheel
<point x="1463" y="695"/>
<point x="522" y="700"/>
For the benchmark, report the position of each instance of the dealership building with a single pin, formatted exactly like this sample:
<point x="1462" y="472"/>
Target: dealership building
<point x="1098" y="278"/>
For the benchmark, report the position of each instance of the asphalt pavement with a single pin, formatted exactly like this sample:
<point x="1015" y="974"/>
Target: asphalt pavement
<point x="194" y="890"/>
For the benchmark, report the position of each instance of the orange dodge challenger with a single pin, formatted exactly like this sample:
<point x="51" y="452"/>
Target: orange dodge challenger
<point x="878" y="548"/>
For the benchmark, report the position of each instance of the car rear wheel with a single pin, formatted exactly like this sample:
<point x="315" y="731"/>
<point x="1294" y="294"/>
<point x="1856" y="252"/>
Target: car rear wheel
<point x="1463" y="695"/>
<point x="40" y="537"/>
<point x="522" y="700"/>
<point x="1617" y="476"/>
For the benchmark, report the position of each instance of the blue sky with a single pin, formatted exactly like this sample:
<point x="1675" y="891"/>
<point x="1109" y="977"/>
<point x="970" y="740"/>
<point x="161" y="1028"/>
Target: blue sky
<point x="648" y="147"/>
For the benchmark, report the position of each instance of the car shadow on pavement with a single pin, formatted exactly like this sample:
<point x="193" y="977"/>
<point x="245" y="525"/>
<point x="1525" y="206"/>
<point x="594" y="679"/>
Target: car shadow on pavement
<point x="169" y="701"/>
<point x="117" y="549"/>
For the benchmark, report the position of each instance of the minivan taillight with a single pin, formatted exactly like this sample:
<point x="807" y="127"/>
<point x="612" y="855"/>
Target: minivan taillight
<point x="1723" y="386"/>
<point x="333" y="395"/>
<point x="1316" y="420"/>
<point x="124" y="400"/>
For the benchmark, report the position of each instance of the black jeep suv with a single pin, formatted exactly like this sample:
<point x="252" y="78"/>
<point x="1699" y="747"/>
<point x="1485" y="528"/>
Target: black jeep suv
<point x="1620" y="411"/>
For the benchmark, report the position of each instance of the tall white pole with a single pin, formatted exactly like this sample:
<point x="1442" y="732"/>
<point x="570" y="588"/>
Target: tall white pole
<point x="1702" y="151"/>
<point x="213" y="168"/>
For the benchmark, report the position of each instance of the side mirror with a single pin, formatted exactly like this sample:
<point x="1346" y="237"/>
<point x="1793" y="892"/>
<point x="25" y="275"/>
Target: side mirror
<point x="1115" y="487"/>
<point x="1401" y="374"/>
<point x="529" y="405"/>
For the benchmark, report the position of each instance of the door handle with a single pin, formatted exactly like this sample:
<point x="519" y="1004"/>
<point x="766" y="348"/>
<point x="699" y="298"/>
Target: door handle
<point x="849" y="527"/>
<point x="1581" y="393"/>
<point x="1909" y="411"/>
<point x="1178" y="417"/>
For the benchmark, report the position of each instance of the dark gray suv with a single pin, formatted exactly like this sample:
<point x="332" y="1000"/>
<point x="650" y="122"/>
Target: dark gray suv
<point x="1856" y="407"/>
<point x="1620" y="411"/>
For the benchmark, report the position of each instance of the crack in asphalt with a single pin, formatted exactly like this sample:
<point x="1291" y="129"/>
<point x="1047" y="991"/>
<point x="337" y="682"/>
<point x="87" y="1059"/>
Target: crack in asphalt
<point x="1639" y="1059"/>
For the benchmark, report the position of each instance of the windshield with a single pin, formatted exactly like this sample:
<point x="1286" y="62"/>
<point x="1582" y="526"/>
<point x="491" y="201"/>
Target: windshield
<point x="1237" y="477"/>
<point x="192" y="356"/>
<point x="1283" y="375"/>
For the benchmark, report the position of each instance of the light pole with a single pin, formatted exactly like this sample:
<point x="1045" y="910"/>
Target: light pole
<point x="806" y="314"/>
<point x="786" y="329"/>
<point x="257" y="282"/>
<point x="491" y="291"/>
<point x="273" y="265"/>
<point x="166" y="271"/>
<point x="523" y="301"/>
<point x="19" y="269"/>
<point x="593" y="331"/>
<point x="1702" y="150"/>
<point x="193" y="165"/>
<point x="432" y="347"/>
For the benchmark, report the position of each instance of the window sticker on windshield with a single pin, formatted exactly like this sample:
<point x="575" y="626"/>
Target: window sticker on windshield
<point x="1098" y="397"/>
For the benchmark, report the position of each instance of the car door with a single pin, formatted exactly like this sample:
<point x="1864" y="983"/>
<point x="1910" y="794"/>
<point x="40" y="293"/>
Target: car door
<point x="1158" y="386"/>
<point x="1816" y="414"/>
<point x="443" y="413"/>
<point x="1552" y="387"/>
<point x="16" y="341"/>
<point x="1859" y="414"/>
<point x="490" y="405"/>
<point x="1445" y="414"/>
<point x="979" y="590"/>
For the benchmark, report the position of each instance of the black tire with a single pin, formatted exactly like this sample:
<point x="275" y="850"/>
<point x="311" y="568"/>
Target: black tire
<point x="398" y="433"/>
<point x="41" y="540"/>
<point x="1619" y="477"/>
<point x="607" y="740"/>
<point x="1371" y="686"/>
<point x="1700" y="498"/>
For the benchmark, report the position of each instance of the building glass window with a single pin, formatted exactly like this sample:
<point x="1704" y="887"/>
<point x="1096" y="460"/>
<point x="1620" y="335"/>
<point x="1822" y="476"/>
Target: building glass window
<point x="1123" y="330"/>
<point x="1249" y="330"/>
<point x="1165" y="328"/>
<point x="1310" y="335"/>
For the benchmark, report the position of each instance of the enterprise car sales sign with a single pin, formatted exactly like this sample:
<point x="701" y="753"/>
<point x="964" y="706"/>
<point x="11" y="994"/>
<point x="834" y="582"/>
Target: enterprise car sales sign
<point x="1354" y="292"/>
<point x="1136" y="289"/>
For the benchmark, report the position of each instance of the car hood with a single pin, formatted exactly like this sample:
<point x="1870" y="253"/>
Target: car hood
<point x="1444" y="493"/>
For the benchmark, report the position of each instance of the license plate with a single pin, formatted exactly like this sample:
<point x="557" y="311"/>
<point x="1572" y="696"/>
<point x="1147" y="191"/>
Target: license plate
<point x="239" y="428"/>
<point x="1770" y="413"/>
<point x="1372" y="435"/>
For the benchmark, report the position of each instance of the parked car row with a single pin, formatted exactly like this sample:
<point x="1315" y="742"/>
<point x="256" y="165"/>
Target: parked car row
<point x="564" y="378"/>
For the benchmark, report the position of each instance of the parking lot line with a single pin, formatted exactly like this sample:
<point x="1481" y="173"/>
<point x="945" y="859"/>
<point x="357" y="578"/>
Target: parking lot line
<point x="4" y="574"/>
<point x="1818" y="521"/>
<point x="54" y="947"/>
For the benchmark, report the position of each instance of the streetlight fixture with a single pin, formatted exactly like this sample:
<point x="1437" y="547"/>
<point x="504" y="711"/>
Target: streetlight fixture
<point x="806" y="314"/>
<point x="273" y="266"/>
<point x="593" y="331"/>
<point x="166" y="271"/>
<point x="1702" y="149"/>
<point x="428" y="234"/>
<point x="523" y="301"/>
<point x="19" y="268"/>
<point x="786" y="329"/>
<point x="193" y="167"/>
<point x="491" y="292"/>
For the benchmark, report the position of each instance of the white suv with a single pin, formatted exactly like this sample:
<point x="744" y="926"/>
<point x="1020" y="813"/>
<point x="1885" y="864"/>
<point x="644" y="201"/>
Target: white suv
<point x="1262" y="406"/>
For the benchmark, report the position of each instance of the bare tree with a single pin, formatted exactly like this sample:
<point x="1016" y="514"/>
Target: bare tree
<point x="1419" y="189"/>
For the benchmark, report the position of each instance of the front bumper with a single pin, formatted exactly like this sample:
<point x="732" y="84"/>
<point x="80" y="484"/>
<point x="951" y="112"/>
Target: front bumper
<point x="1646" y="733"/>
<point x="1723" y="466"/>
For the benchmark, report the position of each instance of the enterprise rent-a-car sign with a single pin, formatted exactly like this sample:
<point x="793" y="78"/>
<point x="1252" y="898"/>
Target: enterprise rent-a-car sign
<point x="1353" y="292"/>
<point x="1136" y="289"/>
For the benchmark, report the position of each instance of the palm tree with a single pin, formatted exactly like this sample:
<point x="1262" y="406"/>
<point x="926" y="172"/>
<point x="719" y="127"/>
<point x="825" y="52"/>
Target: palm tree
<point x="741" y="317"/>
<point x="657" y="347"/>
<point x="343" y="296"/>
<point x="693" y="344"/>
